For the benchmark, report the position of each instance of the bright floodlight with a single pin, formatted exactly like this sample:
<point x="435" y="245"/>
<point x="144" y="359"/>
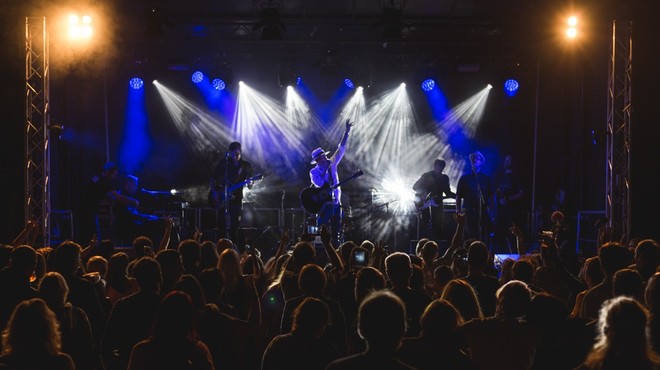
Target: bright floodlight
<point x="511" y="87"/>
<point x="218" y="84"/>
<point x="197" y="77"/>
<point x="428" y="84"/>
<point x="403" y="84"/>
<point x="136" y="83"/>
<point x="240" y="82"/>
<point x="349" y="83"/>
<point x="571" y="33"/>
<point x="572" y="21"/>
<point x="489" y="86"/>
<point x="80" y="27"/>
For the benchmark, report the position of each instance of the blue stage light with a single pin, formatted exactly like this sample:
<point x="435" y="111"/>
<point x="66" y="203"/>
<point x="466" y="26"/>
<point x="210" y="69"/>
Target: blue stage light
<point x="197" y="77"/>
<point x="219" y="84"/>
<point x="511" y="87"/>
<point x="428" y="85"/>
<point x="349" y="83"/>
<point x="136" y="83"/>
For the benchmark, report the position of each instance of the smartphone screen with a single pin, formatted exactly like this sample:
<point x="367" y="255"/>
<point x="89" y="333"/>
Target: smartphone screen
<point x="360" y="258"/>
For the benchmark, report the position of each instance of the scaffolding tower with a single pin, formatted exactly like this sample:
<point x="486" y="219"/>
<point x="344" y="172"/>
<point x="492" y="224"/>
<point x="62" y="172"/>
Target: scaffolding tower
<point x="37" y="127"/>
<point x="619" y="109"/>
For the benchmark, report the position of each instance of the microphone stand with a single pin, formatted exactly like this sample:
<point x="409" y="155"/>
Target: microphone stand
<point x="481" y="203"/>
<point x="226" y="199"/>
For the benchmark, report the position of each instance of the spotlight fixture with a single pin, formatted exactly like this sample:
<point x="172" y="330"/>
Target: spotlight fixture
<point x="136" y="83"/>
<point x="349" y="83"/>
<point x="572" y="27"/>
<point x="218" y="84"/>
<point x="428" y="84"/>
<point x="511" y="87"/>
<point x="197" y="77"/>
<point x="80" y="27"/>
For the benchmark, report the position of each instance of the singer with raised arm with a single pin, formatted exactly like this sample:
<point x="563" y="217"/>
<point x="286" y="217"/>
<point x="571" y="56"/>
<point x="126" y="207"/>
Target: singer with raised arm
<point x="474" y="194"/>
<point x="226" y="195"/>
<point x="324" y="174"/>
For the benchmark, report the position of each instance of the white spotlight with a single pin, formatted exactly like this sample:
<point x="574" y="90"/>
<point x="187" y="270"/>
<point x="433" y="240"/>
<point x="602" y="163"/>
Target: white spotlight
<point x="403" y="84"/>
<point x="489" y="86"/>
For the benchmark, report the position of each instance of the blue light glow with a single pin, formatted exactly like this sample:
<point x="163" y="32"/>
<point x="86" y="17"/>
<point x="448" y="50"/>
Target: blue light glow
<point x="135" y="143"/>
<point x="136" y="83"/>
<point x="197" y="77"/>
<point x="219" y="84"/>
<point x="428" y="85"/>
<point x="349" y="83"/>
<point x="511" y="87"/>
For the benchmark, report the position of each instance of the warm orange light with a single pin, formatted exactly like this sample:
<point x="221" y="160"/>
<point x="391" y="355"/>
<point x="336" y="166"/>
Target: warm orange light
<point x="571" y="33"/>
<point x="80" y="27"/>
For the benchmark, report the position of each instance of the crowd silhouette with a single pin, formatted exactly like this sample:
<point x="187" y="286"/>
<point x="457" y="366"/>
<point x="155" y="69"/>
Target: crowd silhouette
<point x="208" y="305"/>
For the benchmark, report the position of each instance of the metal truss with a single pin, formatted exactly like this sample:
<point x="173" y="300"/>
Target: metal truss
<point x="619" y="109"/>
<point x="37" y="126"/>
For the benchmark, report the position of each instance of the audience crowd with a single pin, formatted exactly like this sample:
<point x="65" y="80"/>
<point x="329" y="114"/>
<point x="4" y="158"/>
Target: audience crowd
<point x="207" y="305"/>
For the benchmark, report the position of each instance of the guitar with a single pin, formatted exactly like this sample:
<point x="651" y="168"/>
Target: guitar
<point x="216" y="196"/>
<point x="422" y="203"/>
<point x="312" y="199"/>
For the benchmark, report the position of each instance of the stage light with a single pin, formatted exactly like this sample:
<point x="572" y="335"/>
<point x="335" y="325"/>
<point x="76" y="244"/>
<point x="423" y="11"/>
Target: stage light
<point x="428" y="84"/>
<point x="80" y="27"/>
<point x="197" y="77"/>
<point x="572" y="21"/>
<point x="403" y="84"/>
<point x="240" y="83"/>
<point x="571" y="31"/>
<point x="511" y="87"/>
<point x="136" y="83"/>
<point x="489" y="86"/>
<point x="349" y="83"/>
<point x="218" y="84"/>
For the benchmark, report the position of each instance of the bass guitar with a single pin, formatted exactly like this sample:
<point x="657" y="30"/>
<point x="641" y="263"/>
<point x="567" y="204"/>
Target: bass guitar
<point x="216" y="196"/>
<point x="312" y="198"/>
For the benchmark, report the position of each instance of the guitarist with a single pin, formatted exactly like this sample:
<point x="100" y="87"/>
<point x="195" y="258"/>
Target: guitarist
<point x="324" y="174"/>
<point x="431" y="188"/>
<point x="231" y="170"/>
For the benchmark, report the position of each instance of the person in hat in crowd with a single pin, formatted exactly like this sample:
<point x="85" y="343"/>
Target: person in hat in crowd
<point x="325" y="173"/>
<point x="230" y="171"/>
<point x="474" y="194"/>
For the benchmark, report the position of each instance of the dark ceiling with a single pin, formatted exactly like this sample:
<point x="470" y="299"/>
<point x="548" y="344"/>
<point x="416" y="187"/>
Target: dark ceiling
<point x="464" y="31"/>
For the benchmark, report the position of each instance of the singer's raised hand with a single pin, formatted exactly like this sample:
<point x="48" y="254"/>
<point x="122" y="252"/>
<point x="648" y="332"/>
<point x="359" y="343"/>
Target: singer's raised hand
<point x="349" y="124"/>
